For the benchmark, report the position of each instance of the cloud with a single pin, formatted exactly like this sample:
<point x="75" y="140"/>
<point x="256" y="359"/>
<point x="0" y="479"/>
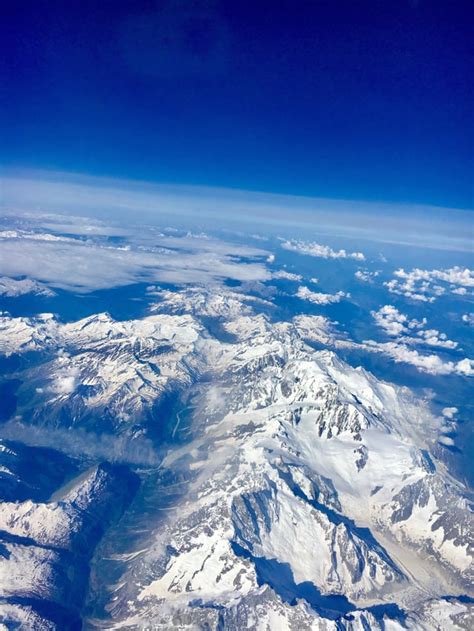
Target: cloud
<point x="468" y="318"/>
<point x="80" y="443"/>
<point x="65" y="377"/>
<point x="432" y="364"/>
<point x="422" y="226"/>
<point x="423" y="285"/>
<point x="319" y="298"/>
<point x="284" y="275"/>
<point x="450" y="412"/>
<point x="320" y="251"/>
<point x="397" y="324"/>
<point x="365" y="275"/>
<point x="393" y="322"/>
<point x="83" y="266"/>
<point x="446" y="441"/>
<point x="323" y="331"/>
<point x="432" y="337"/>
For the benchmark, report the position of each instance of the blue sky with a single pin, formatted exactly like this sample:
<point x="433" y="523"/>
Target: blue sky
<point x="366" y="100"/>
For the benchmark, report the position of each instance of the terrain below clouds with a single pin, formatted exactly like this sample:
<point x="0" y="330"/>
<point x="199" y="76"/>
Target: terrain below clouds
<point x="191" y="436"/>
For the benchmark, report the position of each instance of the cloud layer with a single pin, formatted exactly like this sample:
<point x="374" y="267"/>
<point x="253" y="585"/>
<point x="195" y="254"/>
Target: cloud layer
<point x="87" y="265"/>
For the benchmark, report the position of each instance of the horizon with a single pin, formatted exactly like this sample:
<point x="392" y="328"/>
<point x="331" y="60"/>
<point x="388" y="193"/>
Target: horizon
<point x="366" y="102"/>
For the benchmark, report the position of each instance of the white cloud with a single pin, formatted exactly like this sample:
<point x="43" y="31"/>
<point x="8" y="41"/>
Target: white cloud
<point x="65" y="379"/>
<point x="423" y="285"/>
<point x="432" y="364"/>
<point x="450" y="412"/>
<point x="323" y="331"/>
<point x="432" y="337"/>
<point x="320" y="251"/>
<point x="314" y="280"/>
<point x="407" y="289"/>
<point x="77" y="265"/>
<point x="446" y="440"/>
<point x="397" y="324"/>
<point x="365" y="275"/>
<point x="393" y="322"/>
<point x="468" y="318"/>
<point x="319" y="298"/>
<point x="284" y="275"/>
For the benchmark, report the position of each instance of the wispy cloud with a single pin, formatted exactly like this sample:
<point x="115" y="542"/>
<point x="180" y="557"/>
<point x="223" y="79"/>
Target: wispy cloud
<point x="80" y="443"/>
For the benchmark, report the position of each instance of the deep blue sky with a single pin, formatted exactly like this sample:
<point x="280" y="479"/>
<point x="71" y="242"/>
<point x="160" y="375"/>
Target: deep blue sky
<point x="358" y="99"/>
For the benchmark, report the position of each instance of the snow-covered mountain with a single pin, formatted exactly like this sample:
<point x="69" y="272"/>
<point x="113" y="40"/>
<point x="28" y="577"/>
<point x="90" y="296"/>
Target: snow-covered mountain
<point x="98" y="368"/>
<point x="305" y="492"/>
<point x="46" y="545"/>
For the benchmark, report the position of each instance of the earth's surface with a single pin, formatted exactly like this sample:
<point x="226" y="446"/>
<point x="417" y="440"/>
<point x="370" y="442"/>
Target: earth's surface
<point x="217" y="427"/>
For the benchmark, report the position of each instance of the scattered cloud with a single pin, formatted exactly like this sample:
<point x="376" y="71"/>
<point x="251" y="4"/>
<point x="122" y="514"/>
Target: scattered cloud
<point x="320" y="251"/>
<point x="365" y="275"/>
<point x="432" y="337"/>
<point x="323" y="331"/>
<point x="397" y="324"/>
<point x="424" y="285"/>
<point x="393" y="322"/>
<point x="318" y="298"/>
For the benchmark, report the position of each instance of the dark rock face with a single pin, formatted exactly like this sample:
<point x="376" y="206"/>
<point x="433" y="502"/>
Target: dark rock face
<point x="32" y="472"/>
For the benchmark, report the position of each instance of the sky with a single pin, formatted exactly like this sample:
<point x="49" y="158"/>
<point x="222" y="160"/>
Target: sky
<point x="367" y="100"/>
